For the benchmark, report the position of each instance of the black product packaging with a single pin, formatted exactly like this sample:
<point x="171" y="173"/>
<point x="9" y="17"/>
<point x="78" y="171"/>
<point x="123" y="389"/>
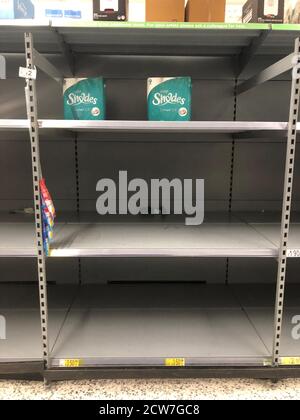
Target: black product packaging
<point x="114" y="10"/>
<point x="263" y="11"/>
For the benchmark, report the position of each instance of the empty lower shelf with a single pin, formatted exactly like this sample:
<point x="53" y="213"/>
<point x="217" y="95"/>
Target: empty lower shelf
<point x="144" y="325"/>
<point x="19" y="305"/>
<point x="257" y="301"/>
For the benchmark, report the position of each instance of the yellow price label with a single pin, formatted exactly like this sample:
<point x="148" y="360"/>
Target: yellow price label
<point x="177" y="362"/>
<point x="71" y="363"/>
<point x="290" y="361"/>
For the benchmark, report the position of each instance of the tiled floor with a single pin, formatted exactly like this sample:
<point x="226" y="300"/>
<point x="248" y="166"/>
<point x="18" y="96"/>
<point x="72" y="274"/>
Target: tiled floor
<point x="154" y="389"/>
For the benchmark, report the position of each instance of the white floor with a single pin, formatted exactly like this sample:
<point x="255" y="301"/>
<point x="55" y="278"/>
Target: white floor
<point x="154" y="389"/>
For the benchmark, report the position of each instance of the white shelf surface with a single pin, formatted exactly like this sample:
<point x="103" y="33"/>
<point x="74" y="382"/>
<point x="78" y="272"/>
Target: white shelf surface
<point x="95" y="236"/>
<point x="19" y="304"/>
<point x="272" y="231"/>
<point x="141" y="325"/>
<point x="258" y="302"/>
<point x="148" y="126"/>
<point x="17" y="240"/>
<point x="160" y="240"/>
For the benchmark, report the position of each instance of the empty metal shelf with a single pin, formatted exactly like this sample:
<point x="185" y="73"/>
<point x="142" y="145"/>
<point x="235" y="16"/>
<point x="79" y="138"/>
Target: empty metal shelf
<point x="114" y="325"/>
<point x="157" y="237"/>
<point x="146" y="38"/>
<point x="19" y="305"/>
<point x="217" y="127"/>
<point x="160" y="240"/>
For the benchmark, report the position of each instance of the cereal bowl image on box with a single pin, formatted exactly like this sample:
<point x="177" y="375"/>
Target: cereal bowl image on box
<point x="96" y="112"/>
<point x="183" y="112"/>
<point x="169" y="98"/>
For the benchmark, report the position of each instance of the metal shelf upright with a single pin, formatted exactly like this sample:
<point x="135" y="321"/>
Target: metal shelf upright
<point x="32" y="112"/>
<point x="287" y="202"/>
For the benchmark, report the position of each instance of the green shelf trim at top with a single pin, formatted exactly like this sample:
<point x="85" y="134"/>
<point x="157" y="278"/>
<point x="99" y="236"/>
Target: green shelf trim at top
<point x="177" y="25"/>
<point x="286" y="27"/>
<point x="162" y="25"/>
<point x="60" y="23"/>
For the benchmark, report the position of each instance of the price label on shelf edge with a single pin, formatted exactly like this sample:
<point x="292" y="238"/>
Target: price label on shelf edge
<point x="70" y="363"/>
<point x="293" y="253"/>
<point x="175" y="362"/>
<point x="290" y="361"/>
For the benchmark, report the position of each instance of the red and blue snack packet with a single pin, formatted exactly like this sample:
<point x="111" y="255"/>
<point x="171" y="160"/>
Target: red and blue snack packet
<point x="48" y="216"/>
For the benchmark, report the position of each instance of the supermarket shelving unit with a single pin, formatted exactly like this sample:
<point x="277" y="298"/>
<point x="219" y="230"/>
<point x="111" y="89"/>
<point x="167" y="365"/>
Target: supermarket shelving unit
<point x="128" y="318"/>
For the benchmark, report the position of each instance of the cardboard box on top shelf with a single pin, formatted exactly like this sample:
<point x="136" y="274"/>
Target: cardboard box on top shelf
<point x="113" y="10"/>
<point x="205" y="11"/>
<point x="165" y="10"/>
<point x="292" y="11"/>
<point x="263" y="11"/>
<point x="137" y="12"/>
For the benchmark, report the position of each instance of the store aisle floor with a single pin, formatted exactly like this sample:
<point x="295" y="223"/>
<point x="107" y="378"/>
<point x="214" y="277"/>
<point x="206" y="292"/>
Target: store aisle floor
<point x="154" y="389"/>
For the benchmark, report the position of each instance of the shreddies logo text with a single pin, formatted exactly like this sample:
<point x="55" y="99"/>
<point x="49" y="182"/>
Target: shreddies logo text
<point x="2" y="328"/>
<point x="137" y="196"/>
<point x="296" y="329"/>
<point x="160" y="99"/>
<point x="81" y="99"/>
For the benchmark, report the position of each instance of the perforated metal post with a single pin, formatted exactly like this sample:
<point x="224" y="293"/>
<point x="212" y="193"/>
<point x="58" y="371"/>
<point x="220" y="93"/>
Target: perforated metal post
<point x="286" y="210"/>
<point x="31" y="104"/>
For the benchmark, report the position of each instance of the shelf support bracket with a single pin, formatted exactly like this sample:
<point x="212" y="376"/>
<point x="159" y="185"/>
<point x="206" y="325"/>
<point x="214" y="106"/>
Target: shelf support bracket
<point x="2" y="67"/>
<point x="66" y="51"/>
<point x="31" y="105"/>
<point x="269" y="73"/>
<point x="248" y="52"/>
<point x="43" y="64"/>
<point x="287" y="203"/>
